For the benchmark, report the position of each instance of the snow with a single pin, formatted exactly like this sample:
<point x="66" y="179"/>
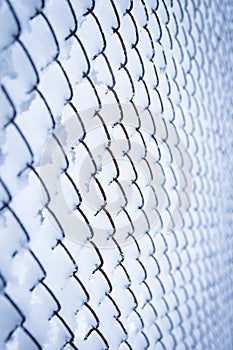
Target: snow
<point x="25" y="9"/>
<point x="61" y="19"/>
<point x="109" y="20"/>
<point x="40" y="33"/>
<point x="94" y="47"/>
<point x="185" y="77"/>
<point x="13" y="166"/>
<point x="8" y="27"/>
<point x="75" y="68"/>
<point x="10" y="320"/>
<point x="20" y="339"/>
<point x="54" y="86"/>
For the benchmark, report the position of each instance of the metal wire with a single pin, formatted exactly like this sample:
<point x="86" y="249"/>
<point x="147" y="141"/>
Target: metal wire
<point x="183" y="295"/>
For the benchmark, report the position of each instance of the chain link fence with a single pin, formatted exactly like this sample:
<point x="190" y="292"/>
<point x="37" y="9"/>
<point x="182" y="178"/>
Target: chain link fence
<point x="169" y="63"/>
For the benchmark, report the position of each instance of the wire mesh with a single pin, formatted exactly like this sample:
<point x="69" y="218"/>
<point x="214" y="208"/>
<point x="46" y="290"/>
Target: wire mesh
<point x="59" y="58"/>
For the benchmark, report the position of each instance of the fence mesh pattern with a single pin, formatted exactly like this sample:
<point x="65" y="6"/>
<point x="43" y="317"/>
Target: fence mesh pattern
<point x="163" y="291"/>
